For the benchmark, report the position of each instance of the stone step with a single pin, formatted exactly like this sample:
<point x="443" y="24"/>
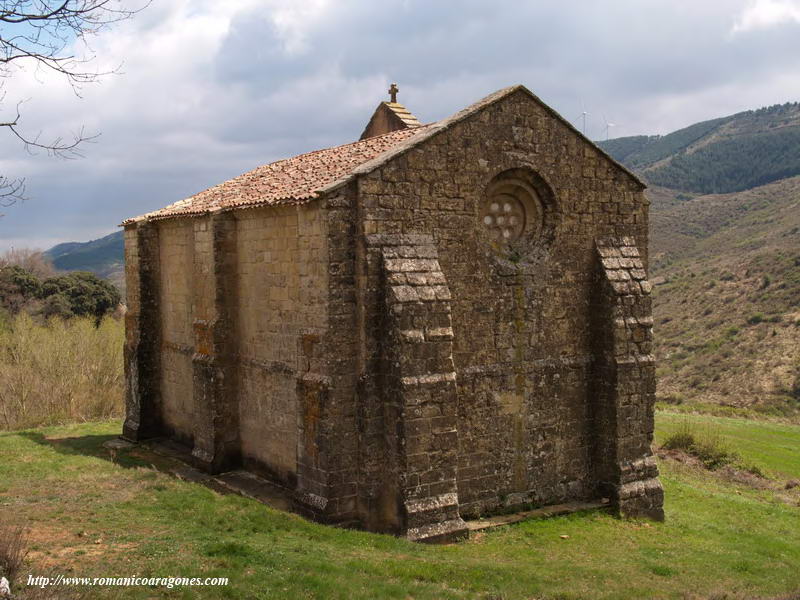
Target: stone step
<point x="422" y="511"/>
<point x="439" y="533"/>
<point x="553" y="510"/>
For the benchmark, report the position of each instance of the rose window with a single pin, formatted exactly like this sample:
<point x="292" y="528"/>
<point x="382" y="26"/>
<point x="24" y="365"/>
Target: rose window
<point x="504" y="218"/>
<point x="512" y="218"/>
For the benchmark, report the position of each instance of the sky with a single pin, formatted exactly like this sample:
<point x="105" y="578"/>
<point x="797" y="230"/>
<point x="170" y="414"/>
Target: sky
<point x="205" y="90"/>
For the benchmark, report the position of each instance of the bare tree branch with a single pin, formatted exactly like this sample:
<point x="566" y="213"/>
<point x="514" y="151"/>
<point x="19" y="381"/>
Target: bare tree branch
<point x="42" y="32"/>
<point x="58" y="147"/>
<point x="11" y="191"/>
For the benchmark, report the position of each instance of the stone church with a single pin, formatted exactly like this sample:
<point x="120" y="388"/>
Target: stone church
<point x="430" y="324"/>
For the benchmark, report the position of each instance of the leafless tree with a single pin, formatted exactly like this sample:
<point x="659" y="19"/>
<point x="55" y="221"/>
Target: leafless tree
<point x="33" y="261"/>
<point x="44" y="34"/>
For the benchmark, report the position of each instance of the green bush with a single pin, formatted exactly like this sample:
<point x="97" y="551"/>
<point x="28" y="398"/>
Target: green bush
<point x="682" y="439"/>
<point x="84" y="293"/>
<point x="26" y="283"/>
<point x="713" y="452"/>
<point x="708" y="446"/>
<point x="71" y="294"/>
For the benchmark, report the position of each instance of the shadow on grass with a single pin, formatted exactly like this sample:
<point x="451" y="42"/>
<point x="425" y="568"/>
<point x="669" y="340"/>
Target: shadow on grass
<point x="135" y="456"/>
<point x="169" y="458"/>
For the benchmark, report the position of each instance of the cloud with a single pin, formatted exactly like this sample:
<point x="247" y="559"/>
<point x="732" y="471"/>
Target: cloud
<point x="763" y="14"/>
<point x="210" y="89"/>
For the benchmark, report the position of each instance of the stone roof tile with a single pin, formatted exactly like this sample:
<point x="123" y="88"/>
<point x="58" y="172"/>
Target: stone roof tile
<point x="403" y="114"/>
<point x="290" y="181"/>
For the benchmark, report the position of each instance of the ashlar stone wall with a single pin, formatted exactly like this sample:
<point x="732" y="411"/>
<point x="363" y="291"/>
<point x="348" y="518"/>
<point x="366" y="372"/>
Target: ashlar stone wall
<point x="176" y="256"/>
<point x="281" y="302"/>
<point x="227" y="312"/>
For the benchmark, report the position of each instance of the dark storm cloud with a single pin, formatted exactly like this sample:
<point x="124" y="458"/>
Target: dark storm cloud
<point x="213" y="89"/>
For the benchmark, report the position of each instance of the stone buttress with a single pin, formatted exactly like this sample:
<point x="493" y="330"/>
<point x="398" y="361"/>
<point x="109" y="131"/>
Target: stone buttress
<point x="625" y="379"/>
<point x="214" y="420"/>
<point x="417" y="390"/>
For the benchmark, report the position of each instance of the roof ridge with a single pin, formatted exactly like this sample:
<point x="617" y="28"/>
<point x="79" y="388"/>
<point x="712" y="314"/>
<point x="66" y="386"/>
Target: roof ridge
<point x="432" y="129"/>
<point x="311" y="152"/>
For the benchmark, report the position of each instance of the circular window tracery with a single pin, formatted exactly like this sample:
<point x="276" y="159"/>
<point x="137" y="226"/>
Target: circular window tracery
<point x="511" y="211"/>
<point x="504" y="217"/>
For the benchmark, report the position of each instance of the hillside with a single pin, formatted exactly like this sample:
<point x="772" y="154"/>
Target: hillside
<point x="728" y="154"/>
<point x="727" y="296"/>
<point x="104" y="257"/>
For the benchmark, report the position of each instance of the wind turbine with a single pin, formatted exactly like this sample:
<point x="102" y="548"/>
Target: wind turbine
<point x="584" y="114"/>
<point x="608" y="126"/>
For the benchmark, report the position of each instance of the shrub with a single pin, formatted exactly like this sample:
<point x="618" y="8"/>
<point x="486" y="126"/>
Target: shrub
<point x="755" y="319"/>
<point x="13" y="549"/>
<point x="83" y="292"/>
<point x="682" y="439"/>
<point x="709" y="447"/>
<point x="754" y="469"/>
<point x="25" y="282"/>
<point x="17" y="288"/>
<point x="59" y="372"/>
<point x="72" y="294"/>
<point x="713" y="452"/>
<point x="56" y="305"/>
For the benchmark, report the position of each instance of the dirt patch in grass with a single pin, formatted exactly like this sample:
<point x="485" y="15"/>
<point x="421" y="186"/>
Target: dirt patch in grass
<point x="55" y="547"/>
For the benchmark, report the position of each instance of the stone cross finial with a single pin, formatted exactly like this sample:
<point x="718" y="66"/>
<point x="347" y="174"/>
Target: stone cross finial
<point x="393" y="89"/>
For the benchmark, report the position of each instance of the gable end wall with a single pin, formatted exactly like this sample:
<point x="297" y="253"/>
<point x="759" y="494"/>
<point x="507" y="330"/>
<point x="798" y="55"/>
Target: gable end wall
<point x="522" y="346"/>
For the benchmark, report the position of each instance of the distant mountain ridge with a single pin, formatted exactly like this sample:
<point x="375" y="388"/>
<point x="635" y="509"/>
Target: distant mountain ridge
<point x="104" y="257"/>
<point x="724" y="155"/>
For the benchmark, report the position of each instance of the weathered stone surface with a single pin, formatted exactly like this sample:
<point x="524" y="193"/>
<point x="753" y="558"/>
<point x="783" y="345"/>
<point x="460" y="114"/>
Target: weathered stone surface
<point x="461" y="327"/>
<point x="421" y="448"/>
<point x="624" y="387"/>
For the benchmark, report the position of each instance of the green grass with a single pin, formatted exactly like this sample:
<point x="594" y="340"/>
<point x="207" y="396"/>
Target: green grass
<point x="775" y="411"/>
<point x="90" y="516"/>
<point x="774" y="447"/>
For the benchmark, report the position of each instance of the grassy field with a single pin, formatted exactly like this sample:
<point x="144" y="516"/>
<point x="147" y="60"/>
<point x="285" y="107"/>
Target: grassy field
<point x="91" y="514"/>
<point x="773" y="447"/>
